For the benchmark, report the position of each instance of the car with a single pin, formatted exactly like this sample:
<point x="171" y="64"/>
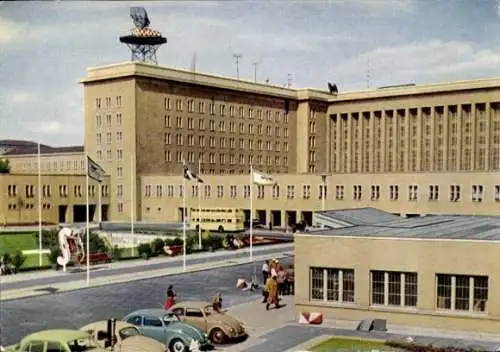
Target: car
<point x="166" y="327"/>
<point x="128" y="337"/>
<point x="219" y="326"/>
<point x="57" y="341"/>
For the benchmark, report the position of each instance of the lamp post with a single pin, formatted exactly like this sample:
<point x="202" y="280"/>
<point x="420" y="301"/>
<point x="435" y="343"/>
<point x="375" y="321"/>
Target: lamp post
<point x="323" y="195"/>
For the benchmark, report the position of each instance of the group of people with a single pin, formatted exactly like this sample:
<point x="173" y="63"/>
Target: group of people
<point x="278" y="281"/>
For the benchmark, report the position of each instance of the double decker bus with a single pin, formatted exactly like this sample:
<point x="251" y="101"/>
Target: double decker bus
<point x="217" y="219"/>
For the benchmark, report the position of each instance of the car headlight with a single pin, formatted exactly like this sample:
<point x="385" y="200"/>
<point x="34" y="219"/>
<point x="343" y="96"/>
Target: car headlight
<point x="231" y="330"/>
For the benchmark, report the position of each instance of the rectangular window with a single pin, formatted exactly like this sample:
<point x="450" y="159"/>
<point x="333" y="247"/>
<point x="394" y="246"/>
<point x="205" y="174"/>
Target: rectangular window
<point x="393" y="192"/>
<point x="392" y="288"/>
<point x="339" y="192"/>
<point x="462" y="293"/>
<point x="433" y="192"/>
<point x="477" y="193"/>
<point x="331" y="285"/>
<point x="454" y="193"/>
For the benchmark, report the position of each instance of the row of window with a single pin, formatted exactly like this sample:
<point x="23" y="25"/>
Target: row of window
<point x="108" y="102"/>
<point x="55" y="165"/>
<point x="400" y="289"/>
<point x="223" y="159"/>
<point x="30" y="191"/>
<point x="211" y="108"/>
<point x="118" y="140"/>
<point x="223" y="128"/>
<point x="393" y="192"/>
<point x="109" y="120"/>
<point x="19" y="206"/>
<point x="223" y="142"/>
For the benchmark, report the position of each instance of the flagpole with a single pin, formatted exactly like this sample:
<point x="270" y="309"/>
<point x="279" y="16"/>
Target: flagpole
<point x="99" y="201"/>
<point x="183" y="218"/>
<point x="132" y="201"/>
<point x="251" y="213"/>
<point x="199" y="205"/>
<point x="39" y="207"/>
<point x="87" y="217"/>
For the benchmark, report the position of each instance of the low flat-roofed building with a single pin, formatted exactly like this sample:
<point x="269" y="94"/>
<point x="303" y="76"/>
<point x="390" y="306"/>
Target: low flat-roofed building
<point x="438" y="271"/>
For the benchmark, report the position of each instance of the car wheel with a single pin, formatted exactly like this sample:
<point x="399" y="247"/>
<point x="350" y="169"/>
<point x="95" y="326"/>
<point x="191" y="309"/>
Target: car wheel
<point x="176" y="345"/>
<point x="218" y="336"/>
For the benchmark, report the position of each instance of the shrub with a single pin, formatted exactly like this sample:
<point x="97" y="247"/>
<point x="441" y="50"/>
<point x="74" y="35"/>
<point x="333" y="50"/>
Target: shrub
<point x="157" y="246"/>
<point x="144" y="250"/>
<point x="116" y="253"/>
<point x="18" y="260"/>
<point x="212" y="242"/>
<point x="49" y="238"/>
<point x="6" y="258"/>
<point x="416" y="347"/>
<point x="177" y="241"/>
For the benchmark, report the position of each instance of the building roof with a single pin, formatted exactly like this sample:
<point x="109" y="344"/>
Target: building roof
<point x="359" y="216"/>
<point x="450" y="227"/>
<point x="19" y="147"/>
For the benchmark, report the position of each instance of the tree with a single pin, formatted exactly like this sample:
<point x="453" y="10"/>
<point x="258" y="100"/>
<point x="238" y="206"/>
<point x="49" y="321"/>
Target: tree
<point x="4" y="166"/>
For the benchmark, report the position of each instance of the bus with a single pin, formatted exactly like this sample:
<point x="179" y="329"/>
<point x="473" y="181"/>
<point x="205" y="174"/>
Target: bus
<point x="217" y="219"/>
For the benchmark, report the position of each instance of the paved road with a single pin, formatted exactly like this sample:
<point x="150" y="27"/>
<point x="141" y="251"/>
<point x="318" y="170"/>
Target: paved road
<point x="289" y="336"/>
<point x="76" y="276"/>
<point x="74" y="309"/>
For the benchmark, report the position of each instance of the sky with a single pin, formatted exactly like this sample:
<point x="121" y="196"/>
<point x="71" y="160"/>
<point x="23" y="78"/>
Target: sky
<point x="46" y="47"/>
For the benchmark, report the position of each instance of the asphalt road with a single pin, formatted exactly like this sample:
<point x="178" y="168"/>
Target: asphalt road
<point x="78" y="275"/>
<point x="74" y="309"/>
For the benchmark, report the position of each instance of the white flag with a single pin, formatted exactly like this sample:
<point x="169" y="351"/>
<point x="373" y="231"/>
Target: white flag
<point x="94" y="171"/>
<point x="262" y="179"/>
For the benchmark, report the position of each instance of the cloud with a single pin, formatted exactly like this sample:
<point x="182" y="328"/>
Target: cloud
<point x="20" y="97"/>
<point x="421" y="62"/>
<point x="49" y="127"/>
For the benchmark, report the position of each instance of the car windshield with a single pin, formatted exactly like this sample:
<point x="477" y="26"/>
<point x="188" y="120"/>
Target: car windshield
<point x="81" y="345"/>
<point x="170" y="317"/>
<point x="128" y="331"/>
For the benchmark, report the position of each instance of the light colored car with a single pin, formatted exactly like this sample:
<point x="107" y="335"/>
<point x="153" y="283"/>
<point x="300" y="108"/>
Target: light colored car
<point x="128" y="337"/>
<point x="57" y="341"/>
<point x="219" y="326"/>
<point x="159" y="324"/>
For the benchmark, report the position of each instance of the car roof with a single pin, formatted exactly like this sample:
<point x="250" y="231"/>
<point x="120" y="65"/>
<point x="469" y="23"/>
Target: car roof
<point x="103" y="325"/>
<point x="192" y="304"/>
<point x="59" y="335"/>
<point x="149" y="311"/>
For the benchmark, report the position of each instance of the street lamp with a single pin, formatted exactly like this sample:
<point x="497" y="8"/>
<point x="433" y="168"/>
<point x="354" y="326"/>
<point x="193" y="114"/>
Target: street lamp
<point x="323" y="195"/>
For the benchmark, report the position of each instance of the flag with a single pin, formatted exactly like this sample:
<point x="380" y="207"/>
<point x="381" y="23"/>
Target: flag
<point x="262" y="179"/>
<point x="94" y="171"/>
<point x="191" y="176"/>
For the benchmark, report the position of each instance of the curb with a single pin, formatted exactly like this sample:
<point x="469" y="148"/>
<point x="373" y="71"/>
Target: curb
<point x="305" y="346"/>
<point x="105" y="281"/>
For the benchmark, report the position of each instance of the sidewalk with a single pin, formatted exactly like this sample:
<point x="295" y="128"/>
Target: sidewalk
<point x="142" y="264"/>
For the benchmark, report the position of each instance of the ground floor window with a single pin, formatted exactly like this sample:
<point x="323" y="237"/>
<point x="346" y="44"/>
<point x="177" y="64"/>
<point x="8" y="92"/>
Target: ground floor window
<point x="462" y="292"/>
<point x="332" y="285"/>
<point x="392" y="288"/>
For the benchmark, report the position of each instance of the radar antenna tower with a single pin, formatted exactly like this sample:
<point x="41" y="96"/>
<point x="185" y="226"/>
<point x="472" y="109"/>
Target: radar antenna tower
<point x="143" y="41"/>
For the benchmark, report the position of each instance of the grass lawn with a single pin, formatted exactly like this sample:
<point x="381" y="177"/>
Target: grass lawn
<point x="12" y="242"/>
<point x="32" y="261"/>
<point x="343" y="343"/>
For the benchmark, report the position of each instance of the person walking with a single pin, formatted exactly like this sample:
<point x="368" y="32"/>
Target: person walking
<point x="273" y="294"/>
<point x="265" y="272"/>
<point x="265" y="290"/>
<point x="280" y="278"/>
<point x="289" y="279"/>
<point x="170" y="301"/>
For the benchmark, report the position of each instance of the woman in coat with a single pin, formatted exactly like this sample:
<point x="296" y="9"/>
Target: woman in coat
<point x="273" y="293"/>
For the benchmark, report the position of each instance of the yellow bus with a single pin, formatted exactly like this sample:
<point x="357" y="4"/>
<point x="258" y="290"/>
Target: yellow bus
<point x="217" y="219"/>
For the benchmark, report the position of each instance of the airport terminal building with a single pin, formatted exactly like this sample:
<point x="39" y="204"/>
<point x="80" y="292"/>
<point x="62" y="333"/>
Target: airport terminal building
<point x="409" y="150"/>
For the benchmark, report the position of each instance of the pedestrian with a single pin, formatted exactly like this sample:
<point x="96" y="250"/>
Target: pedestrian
<point x="170" y="301"/>
<point x="265" y="272"/>
<point x="274" y="264"/>
<point x="273" y="294"/>
<point x="280" y="278"/>
<point x="265" y="290"/>
<point x="217" y="302"/>
<point x="289" y="279"/>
